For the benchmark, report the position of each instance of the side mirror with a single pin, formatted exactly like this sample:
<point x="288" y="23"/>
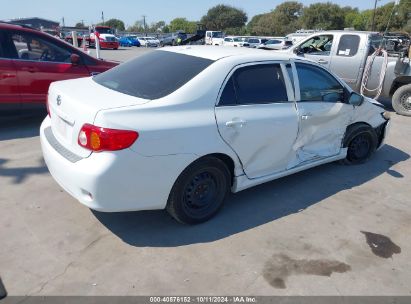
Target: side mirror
<point x="75" y="59"/>
<point x="356" y="99"/>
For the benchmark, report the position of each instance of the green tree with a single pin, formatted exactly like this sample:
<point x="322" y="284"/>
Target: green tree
<point x="114" y="23"/>
<point x="137" y="27"/>
<point x="183" y="24"/>
<point x="79" y="25"/>
<point x="222" y="17"/>
<point x="326" y="16"/>
<point x="253" y="22"/>
<point x="284" y="19"/>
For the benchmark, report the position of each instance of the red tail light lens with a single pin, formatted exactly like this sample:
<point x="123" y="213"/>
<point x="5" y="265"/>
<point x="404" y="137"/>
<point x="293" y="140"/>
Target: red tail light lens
<point x="99" y="139"/>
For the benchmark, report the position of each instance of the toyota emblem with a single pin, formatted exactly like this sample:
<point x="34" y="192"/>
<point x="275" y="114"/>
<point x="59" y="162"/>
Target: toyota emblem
<point x="58" y="100"/>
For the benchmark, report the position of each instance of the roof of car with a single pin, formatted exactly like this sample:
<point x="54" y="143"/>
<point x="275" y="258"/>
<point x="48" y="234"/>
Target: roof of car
<point x="218" y="52"/>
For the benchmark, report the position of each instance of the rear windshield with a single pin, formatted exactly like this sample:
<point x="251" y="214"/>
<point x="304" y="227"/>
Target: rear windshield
<point x="153" y="75"/>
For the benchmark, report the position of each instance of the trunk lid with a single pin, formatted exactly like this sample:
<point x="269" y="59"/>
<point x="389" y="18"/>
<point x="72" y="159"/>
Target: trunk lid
<point x="73" y="103"/>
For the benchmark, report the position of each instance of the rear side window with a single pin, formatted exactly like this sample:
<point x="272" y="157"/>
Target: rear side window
<point x="154" y="75"/>
<point x="256" y="84"/>
<point x="348" y="45"/>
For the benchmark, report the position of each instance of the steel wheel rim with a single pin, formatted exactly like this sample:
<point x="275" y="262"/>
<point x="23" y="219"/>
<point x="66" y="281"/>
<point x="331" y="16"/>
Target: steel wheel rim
<point x="405" y="101"/>
<point x="202" y="194"/>
<point x="360" y="147"/>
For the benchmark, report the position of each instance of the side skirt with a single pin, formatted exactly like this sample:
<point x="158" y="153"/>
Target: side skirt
<point x="243" y="182"/>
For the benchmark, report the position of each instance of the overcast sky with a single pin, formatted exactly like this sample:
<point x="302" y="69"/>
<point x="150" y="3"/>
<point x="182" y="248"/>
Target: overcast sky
<point x="129" y="11"/>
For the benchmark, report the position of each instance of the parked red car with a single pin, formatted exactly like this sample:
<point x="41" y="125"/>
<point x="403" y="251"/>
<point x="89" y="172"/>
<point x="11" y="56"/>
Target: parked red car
<point x="30" y="60"/>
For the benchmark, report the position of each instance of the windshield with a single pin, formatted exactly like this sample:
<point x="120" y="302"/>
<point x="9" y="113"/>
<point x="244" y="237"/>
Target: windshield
<point x="167" y="72"/>
<point x="236" y="39"/>
<point x="217" y="34"/>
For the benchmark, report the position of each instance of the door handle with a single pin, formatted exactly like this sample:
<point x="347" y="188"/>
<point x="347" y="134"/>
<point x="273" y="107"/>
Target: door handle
<point x="30" y="69"/>
<point x="306" y="116"/>
<point x="322" y="61"/>
<point x="234" y="123"/>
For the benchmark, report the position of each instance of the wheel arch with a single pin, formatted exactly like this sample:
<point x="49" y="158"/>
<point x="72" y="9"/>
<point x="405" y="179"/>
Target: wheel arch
<point x="350" y="129"/>
<point x="399" y="82"/>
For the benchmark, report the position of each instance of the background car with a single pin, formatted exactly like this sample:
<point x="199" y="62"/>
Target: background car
<point x="255" y="42"/>
<point x="129" y="41"/>
<point x="231" y="41"/>
<point x="30" y="60"/>
<point x="276" y="44"/>
<point x="173" y="39"/>
<point x="199" y="123"/>
<point x="149" y="41"/>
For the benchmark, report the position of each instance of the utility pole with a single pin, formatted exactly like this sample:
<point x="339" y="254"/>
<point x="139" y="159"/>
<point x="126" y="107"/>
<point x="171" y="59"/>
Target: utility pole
<point x="62" y="19"/>
<point x="373" y="16"/>
<point x="144" y="24"/>
<point x="102" y="17"/>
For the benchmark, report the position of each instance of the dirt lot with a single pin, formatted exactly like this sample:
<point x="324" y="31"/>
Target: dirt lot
<point x="330" y="230"/>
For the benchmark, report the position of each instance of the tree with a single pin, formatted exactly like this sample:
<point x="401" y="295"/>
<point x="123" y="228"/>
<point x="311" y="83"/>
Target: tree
<point x="79" y="25"/>
<point x="183" y="24"/>
<point x="114" y="23"/>
<point x="222" y="17"/>
<point x="137" y="27"/>
<point x="284" y="19"/>
<point x="326" y="16"/>
<point x="253" y="22"/>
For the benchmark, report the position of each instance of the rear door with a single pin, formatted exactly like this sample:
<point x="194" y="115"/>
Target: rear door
<point x="348" y="62"/>
<point x="323" y="113"/>
<point x="39" y="62"/>
<point x="257" y="118"/>
<point x="9" y="91"/>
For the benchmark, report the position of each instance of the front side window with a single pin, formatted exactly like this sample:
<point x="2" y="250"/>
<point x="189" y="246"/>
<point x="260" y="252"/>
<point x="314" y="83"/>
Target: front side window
<point x="316" y="84"/>
<point x="256" y="84"/>
<point x="348" y="45"/>
<point x="318" y="45"/>
<point x="35" y="48"/>
<point x="153" y="75"/>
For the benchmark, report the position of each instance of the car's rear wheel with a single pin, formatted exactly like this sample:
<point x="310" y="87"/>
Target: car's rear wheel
<point x="401" y="100"/>
<point x="199" y="191"/>
<point x="361" y="141"/>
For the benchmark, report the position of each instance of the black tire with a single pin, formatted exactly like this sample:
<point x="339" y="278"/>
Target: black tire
<point x="401" y="100"/>
<point x="361" y="141"/>
<point x="199" y="191"/>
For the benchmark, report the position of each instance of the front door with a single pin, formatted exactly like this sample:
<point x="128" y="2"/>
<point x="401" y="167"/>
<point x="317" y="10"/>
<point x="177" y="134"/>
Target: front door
<point x="9" y="91"/>
<point x="39" y="62"/>
<point x="323" y="113"/>
<point x="257" y="118"/>
<point x="318" y="49"/>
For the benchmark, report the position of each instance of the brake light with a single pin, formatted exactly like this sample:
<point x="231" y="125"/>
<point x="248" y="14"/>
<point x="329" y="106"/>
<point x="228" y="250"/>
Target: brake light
<point x="99" y="139"/>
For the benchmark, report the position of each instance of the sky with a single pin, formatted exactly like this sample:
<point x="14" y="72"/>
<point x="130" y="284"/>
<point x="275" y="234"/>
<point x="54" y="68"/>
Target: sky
<point x="130" y="11"/>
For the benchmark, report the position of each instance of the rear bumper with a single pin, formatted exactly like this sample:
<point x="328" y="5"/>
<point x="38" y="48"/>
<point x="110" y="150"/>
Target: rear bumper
<point x="114" y="181"/>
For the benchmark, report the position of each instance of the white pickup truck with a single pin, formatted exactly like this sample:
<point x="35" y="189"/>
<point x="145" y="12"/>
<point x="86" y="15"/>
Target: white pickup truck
<point x="351" y="55"/>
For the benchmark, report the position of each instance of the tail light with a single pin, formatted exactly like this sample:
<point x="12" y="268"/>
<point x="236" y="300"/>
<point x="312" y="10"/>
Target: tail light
<point x="99" y="139"/>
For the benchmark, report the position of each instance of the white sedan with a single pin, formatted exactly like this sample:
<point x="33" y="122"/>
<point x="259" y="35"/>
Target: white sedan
<point x="200" y="123"/>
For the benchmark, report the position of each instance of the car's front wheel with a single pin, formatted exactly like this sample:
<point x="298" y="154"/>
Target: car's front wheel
<point x="361" y="141"/>
<point x="199" y="191"/>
